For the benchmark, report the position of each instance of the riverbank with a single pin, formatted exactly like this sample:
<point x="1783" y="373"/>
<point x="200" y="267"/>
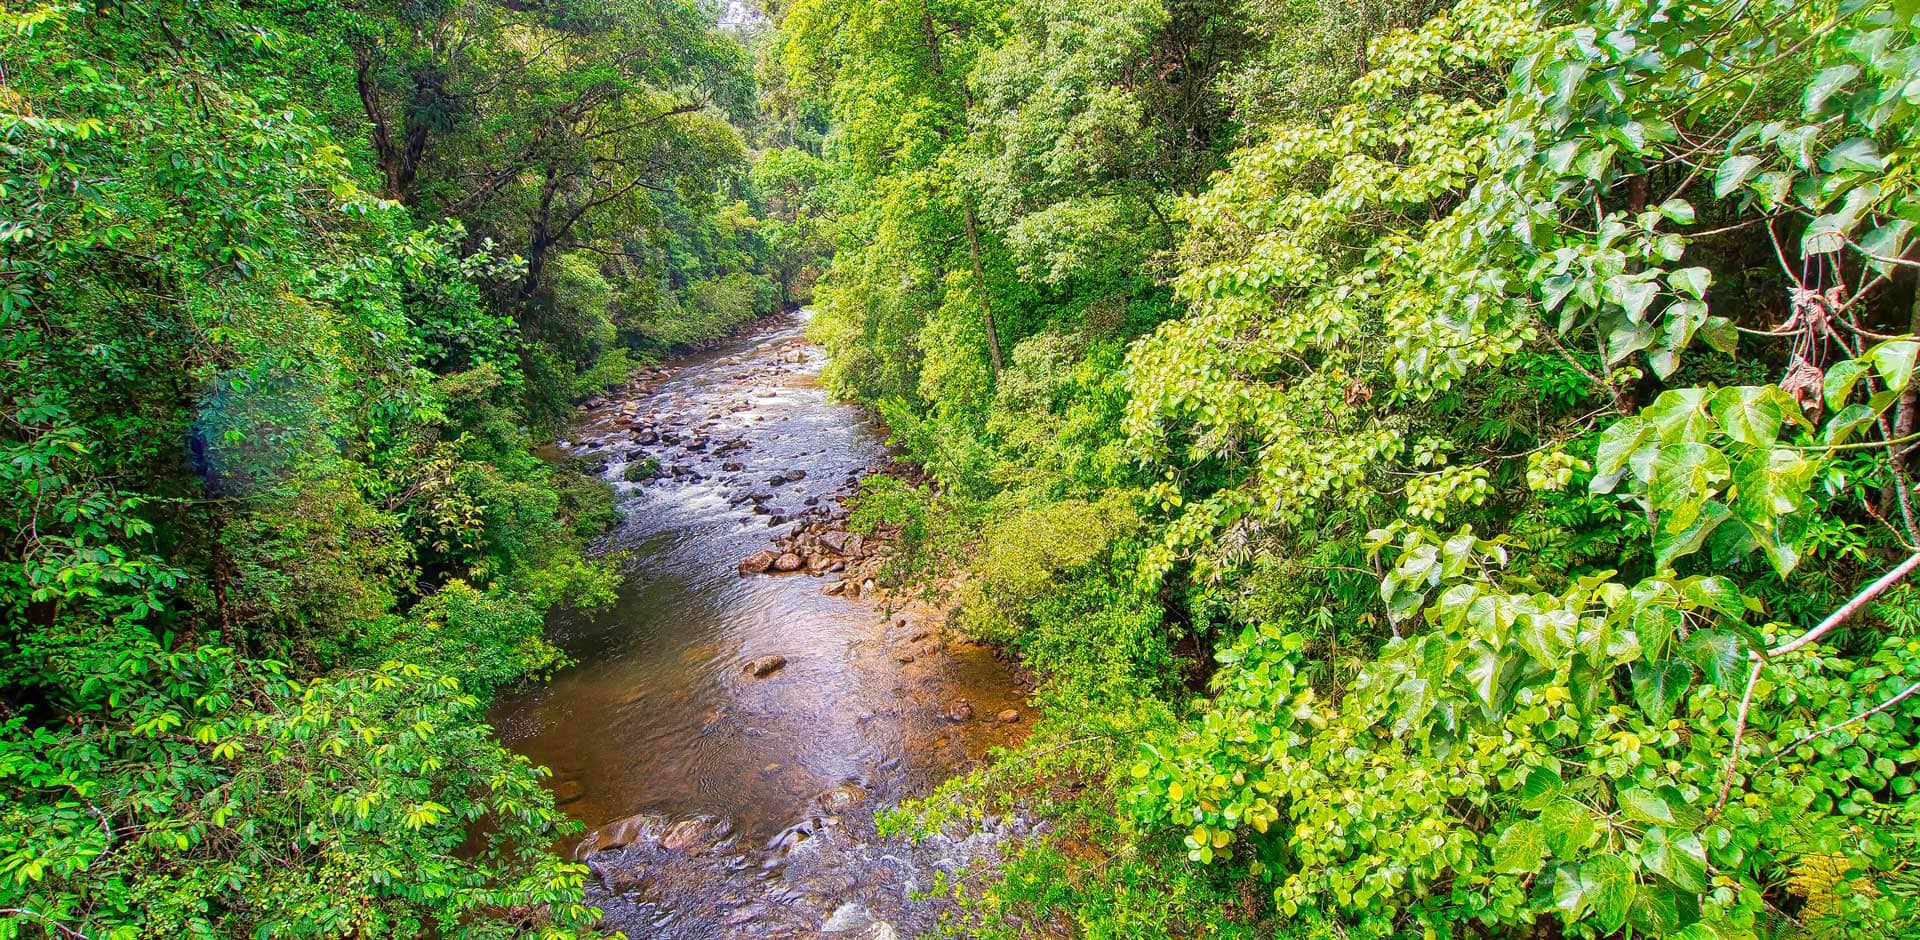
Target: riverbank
<point x="758" y="692"/>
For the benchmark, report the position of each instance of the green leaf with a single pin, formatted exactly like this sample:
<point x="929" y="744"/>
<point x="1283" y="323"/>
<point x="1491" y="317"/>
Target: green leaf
<point x="1721" y="334"/>
<point x="1608" y="884"/>
<point x="1658" y="687"/>
<point x="1644" y="806"/>
<point x="1683" y="531"/>
<point x="1752" y="414"/>
<point x="1636" y="296"/>
<point x="1677" y="210"/>
<point x="1568" y="827"/>
<point x="1894" y="361"/>
<point x="1837" y="387"/>
<point x="1772" y="483"/>
<point x="1542" y="786"/>
<point x="1843" y="425"/>
<point x="1691" y="281"/>
<point x="1679" y="858"/>
<point x="1857" y="154"/>
<point x="1680" y="414"/>
<point x="1721" y="656"/>
<point x="1617" y="444"/>
<point x="1824" y="84"/>
<point x="1522" y="848"/>
<point x="1732" y="173"/>
<point x="1684" y="477"/>
<point x="1885" y="245"/>
<point x="1569" y="892"/>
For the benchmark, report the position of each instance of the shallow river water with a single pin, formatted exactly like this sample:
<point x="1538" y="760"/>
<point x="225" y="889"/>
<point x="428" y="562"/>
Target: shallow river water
<point x="720" y="804"/>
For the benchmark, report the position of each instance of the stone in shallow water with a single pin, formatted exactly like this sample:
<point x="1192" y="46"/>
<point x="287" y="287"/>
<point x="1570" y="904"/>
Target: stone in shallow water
<point x="848" y="918"/>
<point x="757" y="562"/>
<point x="763" y="666"/>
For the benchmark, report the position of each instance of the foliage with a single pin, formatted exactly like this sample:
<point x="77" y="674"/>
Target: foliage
<point x="1516" y="466"/>
<point x="287" y="292"/>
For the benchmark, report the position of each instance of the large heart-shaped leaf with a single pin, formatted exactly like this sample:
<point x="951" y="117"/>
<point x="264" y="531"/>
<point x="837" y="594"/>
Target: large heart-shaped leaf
<point x="1608" y="884"/>
<point x="1657" y="687"/>
<point x="1677" y="856"/>
<point x="1522" y="848"/>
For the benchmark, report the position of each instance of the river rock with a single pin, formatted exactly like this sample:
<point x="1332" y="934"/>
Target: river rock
<point x="835" y="542"/>
<point x="835" y="589"/>
<point x="620" y="834"/>
<point x="848" y="918"/>
<point x="841" y="797"/>
<point x="763" y="666"/>
<point x="758" y="562"/>
<point x="788" y="562"/>
<point x="1008" y="716"/>
<point x="960" y="711"/>
<point x="686" y="833"/>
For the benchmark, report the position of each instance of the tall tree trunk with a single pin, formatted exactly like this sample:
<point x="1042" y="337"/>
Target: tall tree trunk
<point x="980" y="282"/>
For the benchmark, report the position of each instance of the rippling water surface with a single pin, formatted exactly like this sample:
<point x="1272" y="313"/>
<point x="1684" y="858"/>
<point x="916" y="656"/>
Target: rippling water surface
<point x="659" y="717"/>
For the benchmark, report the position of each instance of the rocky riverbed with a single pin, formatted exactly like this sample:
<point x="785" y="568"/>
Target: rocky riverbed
<point x="759" y="690"/>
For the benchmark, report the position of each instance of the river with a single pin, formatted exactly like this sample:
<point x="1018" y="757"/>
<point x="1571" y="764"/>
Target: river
<point x="718" y="803"/>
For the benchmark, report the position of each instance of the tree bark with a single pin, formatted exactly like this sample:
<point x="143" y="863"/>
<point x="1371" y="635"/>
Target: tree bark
<point x="980" y="282"/>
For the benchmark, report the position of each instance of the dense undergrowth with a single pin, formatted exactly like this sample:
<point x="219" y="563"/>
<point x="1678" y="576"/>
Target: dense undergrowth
<point x="288" y="294"/>
<point x="1450" y="463"/>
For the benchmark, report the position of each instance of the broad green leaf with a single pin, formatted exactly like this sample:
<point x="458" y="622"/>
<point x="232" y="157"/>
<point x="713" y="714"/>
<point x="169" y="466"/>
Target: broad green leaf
<point x="1721" y="656"/>
<point x="1691" y="281"/>
<point x="1678" y="857"/>
<point x="1857" y="154"/>
<point x="1541" y="788"/>
<point x="1568" y="827"/>
<point x="1635" y="296"/>
<point x="1772" y="483"/>
<point x="1837" y="387"/>
<point x="1680" y="415"/>
<point x="1894" y="361"/>
<point x="1683" y="530"/>
<point x="1522" y="848"/>
<point x="1618" y="443"/>
<point x="1608" y="885"/>
<point x="1717" y="594"/>
<point x="1569" y="892"/>
<point x="1884" y="246"/>
<point x="1752" y="414"/>
<point x="1658" y="687"/>
<point x="1824" y="84"/>
<point x="1732" y="173"/>
<point x="1842" y="426"/>
<point x="1780" y="545"/>
<point x="1721" y="334"/>
<point x="1644" y="806"/>
<point x="1684" y="477"/>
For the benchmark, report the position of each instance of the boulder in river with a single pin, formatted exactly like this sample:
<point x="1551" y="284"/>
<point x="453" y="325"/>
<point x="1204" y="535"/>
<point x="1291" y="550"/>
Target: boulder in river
<point x="620" y="834"/>
<point x="1008" y="716"/>
<point x="763" y="666"/>
<point x="687" y="833"/>
<point x="758" y="562"/>
<point x="788" y="562"/>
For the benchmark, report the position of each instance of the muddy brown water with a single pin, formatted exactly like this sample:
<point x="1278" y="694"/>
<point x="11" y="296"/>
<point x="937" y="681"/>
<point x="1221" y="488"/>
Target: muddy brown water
<point x="772" y="781"/>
